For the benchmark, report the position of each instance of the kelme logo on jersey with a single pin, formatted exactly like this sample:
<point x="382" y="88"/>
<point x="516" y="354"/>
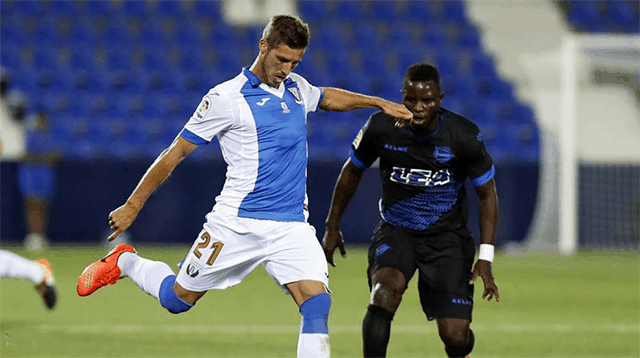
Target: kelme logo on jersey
<point x="420" y="177"/>
<point x="442" y="154"/>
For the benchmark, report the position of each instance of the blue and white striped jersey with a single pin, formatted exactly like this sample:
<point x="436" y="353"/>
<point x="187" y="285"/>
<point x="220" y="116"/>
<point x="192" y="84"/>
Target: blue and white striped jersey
<point x="263" y="137"/>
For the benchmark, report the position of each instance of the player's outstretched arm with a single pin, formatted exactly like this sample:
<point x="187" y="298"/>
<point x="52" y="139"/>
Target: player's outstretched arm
<point x="488" y="211"/>
<point x="346" y="186"/>
<point x="336" y="99"/>
<point x="121" y="218"/>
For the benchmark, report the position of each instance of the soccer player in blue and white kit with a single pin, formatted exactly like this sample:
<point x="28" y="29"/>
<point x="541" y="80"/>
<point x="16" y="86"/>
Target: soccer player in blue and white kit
<point x="260" y="216"/>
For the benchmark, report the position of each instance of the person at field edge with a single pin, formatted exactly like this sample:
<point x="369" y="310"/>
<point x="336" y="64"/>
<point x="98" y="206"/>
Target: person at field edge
<point x="260" y="216"/>
<point x="423" y="227"/>
<point x="38" y="272"/>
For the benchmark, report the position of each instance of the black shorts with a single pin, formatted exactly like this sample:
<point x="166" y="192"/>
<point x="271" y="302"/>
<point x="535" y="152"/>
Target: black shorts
<point x="444" y="262"/>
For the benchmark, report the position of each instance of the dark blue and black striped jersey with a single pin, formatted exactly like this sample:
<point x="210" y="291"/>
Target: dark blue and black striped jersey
<point x="423" y="176"/>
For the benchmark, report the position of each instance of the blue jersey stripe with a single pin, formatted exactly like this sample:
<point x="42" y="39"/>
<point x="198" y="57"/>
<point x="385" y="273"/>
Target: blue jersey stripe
<point x="192" y="137"/>
<point x="280" y="187"/>
<point x="484" y="178"/>
<point x="357" y="162"/>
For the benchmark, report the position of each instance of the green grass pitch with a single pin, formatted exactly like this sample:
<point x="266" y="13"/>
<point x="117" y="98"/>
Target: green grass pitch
<point x="551" y="306"/>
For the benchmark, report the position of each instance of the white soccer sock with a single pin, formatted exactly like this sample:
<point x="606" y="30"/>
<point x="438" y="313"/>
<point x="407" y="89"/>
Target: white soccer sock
<point x="17" y="267"/>
<point x="313" y="345"/>
<point x="146" y="274"/>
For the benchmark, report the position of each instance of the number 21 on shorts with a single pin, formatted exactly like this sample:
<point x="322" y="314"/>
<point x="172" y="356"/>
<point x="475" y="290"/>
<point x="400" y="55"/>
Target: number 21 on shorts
<point x="216" y="247"/>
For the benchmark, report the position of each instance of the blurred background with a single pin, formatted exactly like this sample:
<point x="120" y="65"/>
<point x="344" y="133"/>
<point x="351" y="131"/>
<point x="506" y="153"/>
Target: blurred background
<point x="93" y="91"/>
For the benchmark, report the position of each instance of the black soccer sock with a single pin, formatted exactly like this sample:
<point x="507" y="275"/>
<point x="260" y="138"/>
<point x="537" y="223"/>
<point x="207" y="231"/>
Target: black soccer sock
<point x="455" y="353"/>
<point x="376" y="329"/>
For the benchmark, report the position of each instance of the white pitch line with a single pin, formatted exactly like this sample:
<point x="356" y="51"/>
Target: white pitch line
<point x="286" y="329"/>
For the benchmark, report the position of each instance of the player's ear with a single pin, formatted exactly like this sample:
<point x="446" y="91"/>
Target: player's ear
<point x="263" y="45"/>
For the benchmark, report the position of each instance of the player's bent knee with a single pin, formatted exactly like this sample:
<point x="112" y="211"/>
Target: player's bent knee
<point x="315" y="313"/>
<point x="459" y="348"/>
<point x="169" y="299"/>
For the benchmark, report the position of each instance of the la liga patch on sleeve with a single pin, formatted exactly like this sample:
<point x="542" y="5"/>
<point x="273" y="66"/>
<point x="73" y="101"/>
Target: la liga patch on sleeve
<point x="203" y="108"/>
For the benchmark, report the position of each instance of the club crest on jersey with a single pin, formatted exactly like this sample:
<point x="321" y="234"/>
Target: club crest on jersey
<point x="420" y="177"/>
<point x="285" y="109"/>
<point x="296" y="94"/>
<point x="203" y="108"/>
<point x="442" y="154"/>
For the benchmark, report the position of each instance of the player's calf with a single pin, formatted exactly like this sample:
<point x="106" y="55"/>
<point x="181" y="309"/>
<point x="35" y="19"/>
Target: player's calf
<point x="314" y="331"/>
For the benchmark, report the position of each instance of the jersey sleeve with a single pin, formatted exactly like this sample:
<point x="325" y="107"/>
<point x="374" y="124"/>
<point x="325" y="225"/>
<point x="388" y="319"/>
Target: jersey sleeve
<point x="213" y="115"/>
<point x="363" y="148"/>
<point x="311" y="94"/>
<point x="477" y="161"/>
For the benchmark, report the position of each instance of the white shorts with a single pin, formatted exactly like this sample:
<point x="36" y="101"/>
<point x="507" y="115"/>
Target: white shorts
<point x="229" y="248"/>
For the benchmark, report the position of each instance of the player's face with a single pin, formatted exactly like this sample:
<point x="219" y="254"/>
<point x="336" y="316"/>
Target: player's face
<point x="422" y="98"/>
<point x="277" y="63"/>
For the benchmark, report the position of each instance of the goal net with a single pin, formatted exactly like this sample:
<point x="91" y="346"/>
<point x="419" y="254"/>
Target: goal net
<point x="590" y="179"/>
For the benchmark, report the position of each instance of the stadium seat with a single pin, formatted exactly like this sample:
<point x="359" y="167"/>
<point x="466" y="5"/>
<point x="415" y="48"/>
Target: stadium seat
<point x="419" y="11"/>
<point x="365" y="36"/>
<point x="348" y="11"/>
<point x="313" y="10"/>
<point x="97" y="8"/>
<point x="434" y="36"/>
<point x="454" y="10"/>
<point x="207" y="9"/>
<point x="11" y="31"/>
<point x="385" y="10"/>
<point x="133" y="8"/>
<point x="168" y="8"/>
<point x="28" y="7"/>
<point x="64" y="8"/>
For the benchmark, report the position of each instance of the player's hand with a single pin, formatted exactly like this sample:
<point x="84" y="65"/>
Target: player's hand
<point x="120" y="220"/>
<point x="483" y="269"/>
<point x="332" y="239"/>
<point x="403" y="116"/>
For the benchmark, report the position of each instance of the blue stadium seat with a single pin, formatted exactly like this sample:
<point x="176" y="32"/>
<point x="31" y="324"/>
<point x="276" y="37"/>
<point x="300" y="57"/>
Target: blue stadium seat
<point x="116" y="33"/>
<point x="329" y="36"/>
<point x="419" y="11"/>
<point x="151" y="34"/>
<point x="365" y="36"/>
<point x="11" y="31"/>
<point x="348" y="11"/>
<point x="434" y="36"/>
<point x="454" y="10"/>
<point x="98" y="8"/>
<point x="186" y="36"/>
<point x="84" y="149"/>
<point x="134" y="8"/>
<point x="207" y="9"/>
<point x="64" y="8"/>
<point x="28" y="7"/>
<point x="313" y="10"/>
<point x="168" y="8"/>
<point x="385" y="10"/>
<point x="470" y="38"/>
<point x="10" y="56"/>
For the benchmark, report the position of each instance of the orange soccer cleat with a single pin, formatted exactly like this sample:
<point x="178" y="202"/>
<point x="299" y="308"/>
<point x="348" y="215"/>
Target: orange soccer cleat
<point x="102" y="272"/>
<point x="46" y="287"/>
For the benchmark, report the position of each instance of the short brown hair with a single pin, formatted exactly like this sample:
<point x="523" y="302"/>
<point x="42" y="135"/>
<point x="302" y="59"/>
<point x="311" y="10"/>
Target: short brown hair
<point x="286" y="29"/>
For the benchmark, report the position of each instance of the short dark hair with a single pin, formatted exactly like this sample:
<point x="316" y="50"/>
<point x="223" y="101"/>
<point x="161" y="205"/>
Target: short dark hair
<point x="422" y="72"/>
<point x="286" y="29"/>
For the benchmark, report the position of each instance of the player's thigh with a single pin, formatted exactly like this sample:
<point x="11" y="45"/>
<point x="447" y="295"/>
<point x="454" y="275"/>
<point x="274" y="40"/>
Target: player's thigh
<point x="294" y="254"/>
<point x="444" y="276"/>
<point x="390" y="248"/>
<point x="222" y="255"/>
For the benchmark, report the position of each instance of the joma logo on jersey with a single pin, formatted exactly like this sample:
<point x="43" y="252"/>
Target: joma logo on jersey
<point x="420" y="177"/>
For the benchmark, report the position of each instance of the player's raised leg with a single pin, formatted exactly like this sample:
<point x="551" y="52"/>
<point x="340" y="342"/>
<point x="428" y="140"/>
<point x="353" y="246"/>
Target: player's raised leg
<point x="155" y="278"/>
<point x="39" y="272"/>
